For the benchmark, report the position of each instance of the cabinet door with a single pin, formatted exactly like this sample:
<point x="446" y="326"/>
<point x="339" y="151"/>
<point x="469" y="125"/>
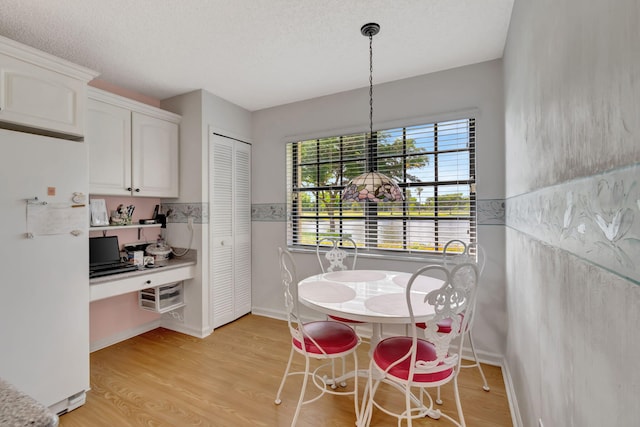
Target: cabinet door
<point x="38" y="98"/>
<point x="154" y="156"/>
<point x="109" y="140"/>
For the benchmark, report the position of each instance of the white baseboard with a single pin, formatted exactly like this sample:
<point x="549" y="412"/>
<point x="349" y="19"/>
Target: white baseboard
<point x="123" y="335"/>
<point x="486" y="357"/>
<point x="511" y="395"/>
<point x="274" y="314"/>
<point x="130" y="333"/>
<point x="184" y="329"/>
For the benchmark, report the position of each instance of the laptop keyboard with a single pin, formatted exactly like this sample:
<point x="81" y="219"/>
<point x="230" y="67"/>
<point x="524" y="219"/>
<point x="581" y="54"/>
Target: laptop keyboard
<point x="110" y="266"/>
<point x="105" y="270"/>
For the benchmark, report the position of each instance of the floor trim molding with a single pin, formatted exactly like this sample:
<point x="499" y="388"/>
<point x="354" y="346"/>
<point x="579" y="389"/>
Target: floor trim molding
<point x="123" y="335"/>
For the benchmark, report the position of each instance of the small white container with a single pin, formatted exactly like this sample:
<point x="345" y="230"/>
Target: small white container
<point x="138" y="258"/>
<point x="159" y="252"/>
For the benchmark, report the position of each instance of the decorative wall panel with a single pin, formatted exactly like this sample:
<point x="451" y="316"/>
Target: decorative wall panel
<point x="489" y="212"/>
<point x="180" y="212"/>
<point x="269" y="212"/>
<point x="596" y="218"/>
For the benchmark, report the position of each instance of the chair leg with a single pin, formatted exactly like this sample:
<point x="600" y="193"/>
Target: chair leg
<point x="333" y="383"/>
<point x="438" y="398"/>
<point x="284" y="378"/>
<point x="485" y="387"/>
<point x="355" y="384"/>
<point x="458" y="403"/>
<point x="333" y="374"/>
<point x="367" y="401"/>
<point x="407" y="397"/>
<point x="368" y="413"/>
<point x="307" y="373"/>
<point x="302" y="392"/>
<point x="361" y="421"/>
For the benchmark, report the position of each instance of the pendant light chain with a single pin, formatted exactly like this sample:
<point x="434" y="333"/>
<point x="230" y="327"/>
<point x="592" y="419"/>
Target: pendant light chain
<point x="371" y="186"/>
<point x="371" y="86"/>
<point x="371" y="30"/>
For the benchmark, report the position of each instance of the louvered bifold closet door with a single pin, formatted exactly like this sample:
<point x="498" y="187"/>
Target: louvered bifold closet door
<point x="230" y="228"/>
<point x="242" y="229"/>
<point x="221" y="225"/>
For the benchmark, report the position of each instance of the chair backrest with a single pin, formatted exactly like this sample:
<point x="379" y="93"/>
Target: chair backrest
<point x="476" y="252"/>
<point x="457" y="251"/>
<point x="288" y="273"/>
<point x="451" y="301"/>
<point x="336" y="258"/>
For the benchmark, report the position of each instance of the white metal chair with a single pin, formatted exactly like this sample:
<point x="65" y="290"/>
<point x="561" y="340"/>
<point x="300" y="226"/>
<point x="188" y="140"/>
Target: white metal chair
<point x="409" y="363"/>
<point x="472" y="252"/>
<point x="336" y="258"/>
<point x="322" y="340"/>
<point x="457" y="252"/>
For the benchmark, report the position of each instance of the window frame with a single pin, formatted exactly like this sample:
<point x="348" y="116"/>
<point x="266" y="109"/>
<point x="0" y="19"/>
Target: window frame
<point x="370" y="211"/>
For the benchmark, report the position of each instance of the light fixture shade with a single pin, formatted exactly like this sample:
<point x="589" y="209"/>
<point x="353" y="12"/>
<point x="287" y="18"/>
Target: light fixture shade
<point x="373" y="187"/>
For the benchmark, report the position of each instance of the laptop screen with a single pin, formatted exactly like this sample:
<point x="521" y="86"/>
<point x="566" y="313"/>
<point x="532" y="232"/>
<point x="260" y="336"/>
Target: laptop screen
<point x="103" y="250"/>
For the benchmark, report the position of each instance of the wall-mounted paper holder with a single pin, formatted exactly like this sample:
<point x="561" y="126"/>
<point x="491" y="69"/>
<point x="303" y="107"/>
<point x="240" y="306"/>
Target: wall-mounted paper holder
<point x="36" y="201"/>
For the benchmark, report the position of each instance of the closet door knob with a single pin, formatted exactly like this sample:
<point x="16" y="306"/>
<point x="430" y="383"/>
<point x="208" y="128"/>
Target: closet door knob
<point x="137" y="190"/>
<point x="129" y="188"/>
<point x="148" y="282"/>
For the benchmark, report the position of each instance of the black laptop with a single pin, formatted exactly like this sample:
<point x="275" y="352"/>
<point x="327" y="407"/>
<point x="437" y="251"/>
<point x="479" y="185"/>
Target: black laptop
<point x="104" y="257"/>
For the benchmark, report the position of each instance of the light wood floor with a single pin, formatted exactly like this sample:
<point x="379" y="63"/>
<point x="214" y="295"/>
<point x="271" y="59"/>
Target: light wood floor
<point x="229" y="379"/>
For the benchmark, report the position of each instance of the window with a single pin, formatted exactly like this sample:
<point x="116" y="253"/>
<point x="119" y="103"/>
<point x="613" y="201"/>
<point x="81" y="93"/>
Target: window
<point x="434" y="165"/>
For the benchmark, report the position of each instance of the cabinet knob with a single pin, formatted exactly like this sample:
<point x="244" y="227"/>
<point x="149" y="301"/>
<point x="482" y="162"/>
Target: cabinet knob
<point x="129" y="188"/>
<point x="137" y="190"/>
<point x="148" y="282"/>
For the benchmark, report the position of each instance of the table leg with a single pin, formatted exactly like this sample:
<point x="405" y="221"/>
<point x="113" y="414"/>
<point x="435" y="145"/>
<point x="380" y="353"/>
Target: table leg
<point x="376" y="336"/>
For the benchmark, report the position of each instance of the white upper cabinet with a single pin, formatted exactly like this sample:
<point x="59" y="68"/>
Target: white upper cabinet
<point x="40" y="93"/>
<point x="109" y="139"/>
<point x="133" y="148"/>
<point x="154" y="149"/>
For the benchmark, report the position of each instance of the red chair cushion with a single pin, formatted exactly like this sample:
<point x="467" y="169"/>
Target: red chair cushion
<point x="332" y="337"/>
<point x="391" y="349"/>
<point x="444" y="326"/>
<point x="343" y="320"/>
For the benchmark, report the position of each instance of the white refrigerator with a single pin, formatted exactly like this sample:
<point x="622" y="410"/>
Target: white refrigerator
<point x="44" y="304"/>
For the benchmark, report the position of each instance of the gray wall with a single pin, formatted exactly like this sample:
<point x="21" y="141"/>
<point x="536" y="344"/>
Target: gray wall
<point x="572" y="128"/>
<point x="200" y="110"/>
<point x="430" y="97"/>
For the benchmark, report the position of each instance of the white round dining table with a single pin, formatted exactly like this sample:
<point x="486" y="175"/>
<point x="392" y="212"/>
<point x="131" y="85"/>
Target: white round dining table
<point x="373" y="296"/>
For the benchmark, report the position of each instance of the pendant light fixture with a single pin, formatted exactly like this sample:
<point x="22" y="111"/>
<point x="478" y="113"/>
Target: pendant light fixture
<point x="371" y="186"/>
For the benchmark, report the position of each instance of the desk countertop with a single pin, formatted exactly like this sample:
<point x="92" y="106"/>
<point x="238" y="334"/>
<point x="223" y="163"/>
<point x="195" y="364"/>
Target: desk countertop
<point x="172" y="263"/>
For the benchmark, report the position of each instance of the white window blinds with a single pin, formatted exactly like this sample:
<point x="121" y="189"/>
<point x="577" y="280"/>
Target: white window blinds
<point x="434" y="165"/>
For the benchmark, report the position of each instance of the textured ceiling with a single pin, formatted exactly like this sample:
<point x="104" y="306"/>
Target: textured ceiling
<point x="258" y="53"/>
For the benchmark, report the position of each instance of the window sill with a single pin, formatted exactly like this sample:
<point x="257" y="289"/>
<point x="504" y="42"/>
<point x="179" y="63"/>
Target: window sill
<point x="421" y="258"/>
